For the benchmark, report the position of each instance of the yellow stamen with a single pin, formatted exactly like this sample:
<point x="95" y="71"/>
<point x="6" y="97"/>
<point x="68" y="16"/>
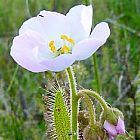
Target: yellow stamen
<point x="64" y="37"/>
<point x="51" y="43"/>
<point x="71" y="40"/>
<point x="52" y="46"/>
<point x="67" y="38"/>
<point x="65" y="49"/>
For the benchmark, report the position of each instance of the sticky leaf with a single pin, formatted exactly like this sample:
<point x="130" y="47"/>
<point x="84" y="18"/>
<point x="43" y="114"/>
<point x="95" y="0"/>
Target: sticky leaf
<point x="61" y="118"/>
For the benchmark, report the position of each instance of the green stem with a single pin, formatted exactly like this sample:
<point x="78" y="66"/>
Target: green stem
<point x="90" y="107"/>
<point x="74" y="102"/>
<point x="96" y="96"/>
<point x="13" y="78"/>
<point x="86" y="2"/>
<point x="28" y="9"/>
<point x="97" y="73"/>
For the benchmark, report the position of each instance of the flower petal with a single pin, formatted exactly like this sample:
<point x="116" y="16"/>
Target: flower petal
<point x="34" y="25"/>
<point x="24" y="53"/>
<point x="59" y="63"/>
<point x="51" y="25"/>
<point x="120" y="126"/>
<point x="111" y="129"/>
<point x="101" y="32"/>
<point x="111" y="138"/>
<point x="86" y="48"/>
<point x="80" y="18"/>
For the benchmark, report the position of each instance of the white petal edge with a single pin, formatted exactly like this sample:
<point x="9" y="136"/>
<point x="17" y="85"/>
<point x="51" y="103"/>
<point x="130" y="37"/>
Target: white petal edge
<point x="50" y="25"/>
<point x="86" y="48"/>
<point x="59" y="63"/>
<point x="22" y="51"/>
<point x="101" y="32"/>
<point x="80" y="18"/>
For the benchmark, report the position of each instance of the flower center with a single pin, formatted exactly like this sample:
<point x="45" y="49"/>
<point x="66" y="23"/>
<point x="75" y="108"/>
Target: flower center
<point x="68" y="43"/>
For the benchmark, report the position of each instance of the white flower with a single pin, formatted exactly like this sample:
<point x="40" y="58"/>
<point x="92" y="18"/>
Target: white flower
<point x="53" y="41"/>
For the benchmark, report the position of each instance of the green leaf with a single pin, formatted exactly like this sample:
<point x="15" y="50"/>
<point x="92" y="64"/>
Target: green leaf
<point x="61" y="118"/>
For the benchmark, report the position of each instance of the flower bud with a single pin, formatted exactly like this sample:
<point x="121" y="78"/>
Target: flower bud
<point x="113" y="122"/>
<point x="110" y="116"/>
<point x="114" y="130"/>
<point x="118" y="113"/>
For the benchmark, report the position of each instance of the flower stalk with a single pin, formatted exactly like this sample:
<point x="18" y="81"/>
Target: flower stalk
<point x="96" y="96"/>
<point x="90" y="107"/>
<point x="74" y="102"/>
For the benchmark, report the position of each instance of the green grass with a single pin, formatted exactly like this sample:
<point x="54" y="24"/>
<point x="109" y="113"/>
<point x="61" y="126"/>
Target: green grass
<point x="21" y="105"/>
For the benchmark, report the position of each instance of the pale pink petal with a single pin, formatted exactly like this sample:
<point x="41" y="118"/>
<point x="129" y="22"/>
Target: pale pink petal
<point x="80" y="18"/>
<point x="34" y="25"/>
<point x="86" y="48"/>
<point x="23" y="52"/>
<point x="59" y="63"/>
<point x="101" y="32"/>
<point x="120" y="126"/>
<point x="111" y="137"/>
<point x="111" y="129"/>
<point x="51" y="25"/>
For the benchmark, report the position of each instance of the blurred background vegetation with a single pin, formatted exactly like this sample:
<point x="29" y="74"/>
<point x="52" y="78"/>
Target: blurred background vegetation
<point x="21" y="104"/>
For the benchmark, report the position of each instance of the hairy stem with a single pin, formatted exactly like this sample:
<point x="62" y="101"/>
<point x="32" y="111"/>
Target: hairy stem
<point x="96" y="96"/>
<point x="74" y="102"/>
<point x="90" y="107"/>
